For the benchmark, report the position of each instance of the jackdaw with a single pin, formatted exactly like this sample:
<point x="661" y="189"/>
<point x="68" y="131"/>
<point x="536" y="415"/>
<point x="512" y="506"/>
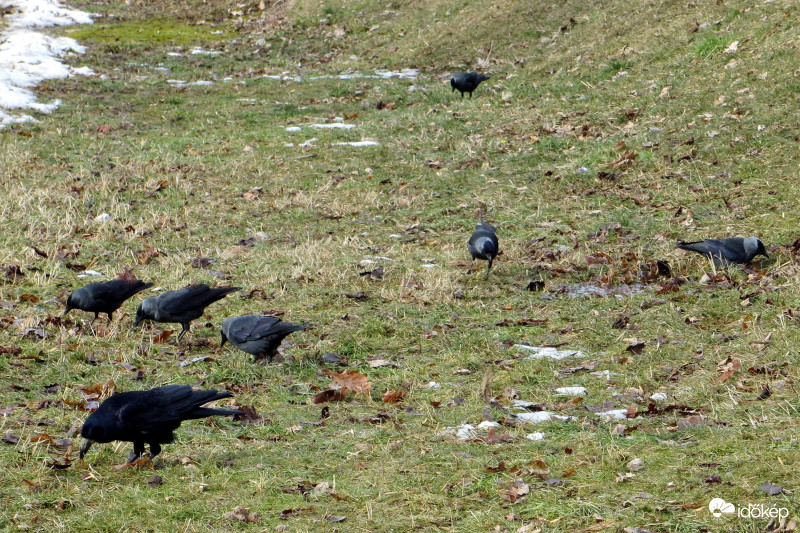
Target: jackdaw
<point x="257" y="335"/>
<point x="148" y="417"/>
<point x="726" y="251"/>
<point x="104" y="296"/>
<point x="466" y="82"/>
<point x="483" y="244"/>
<point x="181" y="306"/>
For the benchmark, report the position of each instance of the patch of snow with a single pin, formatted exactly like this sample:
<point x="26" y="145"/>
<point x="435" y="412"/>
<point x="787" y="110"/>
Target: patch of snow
<point x="542" y="352"/>
<point x="198" y="51"/>
<point x="539" y="416"/>
<point x="294" y="129"/>
<point x="617" y="414"/>
<point x="434" y="385"/>
<point x="308" y="143"/>
<point x="602" y="373"/>
<point x="102" y="217"/>
<point x="89" y="273"/>
<point x="28" y="57"/>
<point x="429" y="265"/>
<point x="572" y="391"/>
<point x="358" y="143"/>
<point x="536" y="435"/>
<point x="658" y="396"/>
<point x="331" y="126"/>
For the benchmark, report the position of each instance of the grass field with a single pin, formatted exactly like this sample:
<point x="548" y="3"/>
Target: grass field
<point x="607" y="132"/>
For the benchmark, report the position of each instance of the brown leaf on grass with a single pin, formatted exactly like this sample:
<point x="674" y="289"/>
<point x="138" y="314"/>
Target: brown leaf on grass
<point x="59" y="465"/>
<point x="105" y="128"/>
<point x="13" y="271"/>
<point x="393" y="396"/>
<point x="335" y="518"/>
<point x="351" y="116"/>
<point x="242" y="514"/>
<point x="493" y="438"/>
<point x="690" y="422"/>
<point x="765" y="393"/>
<point x="539" y="468"/>
<point x="437" y="164"/>
<point x="360" y="295"/>
<point x="621" y="322"/>
<point x="375" y="274"/>
<point x="68" y="251"/>
<point x="248" y="414"/>
<point x="385" y="105"/>
<point x="99" y="390"/>
<point x="10" y="438"/>
<point x="261" y="292"/>
<point x="330" y="395"/>
<point x="141" y="462"/>
<point x="623" y="161"/>
<point x="202" y="262"/>
<point x="154" y="481"/>
<point x="727" y="368"/>
<point x="635" y="465"/>
<point x="514" y="490"/>
<point x="161" y="337"/>
<point x="291" y="513"/>
<point x="126" y="274"/>
<point x="39" y="252"/>
<point x="635" y="348"/>
<point x="350" y="380"/>
<point x="147" y="254"/>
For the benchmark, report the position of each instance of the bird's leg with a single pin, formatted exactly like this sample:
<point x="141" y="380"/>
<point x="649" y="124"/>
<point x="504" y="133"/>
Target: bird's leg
<point x="109" y="319"/>
<point x="95" y="318"/>
<point x="184" y="330"/>
<point x="489" y="268"/>
<point x="138" y="450"/>
<point x="469" y="270"/>
<point x="155" y="449"/>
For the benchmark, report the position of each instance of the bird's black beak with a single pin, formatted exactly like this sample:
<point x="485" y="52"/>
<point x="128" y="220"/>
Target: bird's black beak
<point x="85" y="445"/>
<point x="138" y="319"/>
<point x="223" y="339"/>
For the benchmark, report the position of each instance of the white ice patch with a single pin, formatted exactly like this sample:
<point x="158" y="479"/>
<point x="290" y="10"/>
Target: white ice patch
<point x="617" y="414"/>
<point x="358" y="143"/>
<point x="294" y="129"/>
<point x="536" y="435"/>
<point x="572" y="391"/>
<point x="102" y="217"/>
<point x="198" y="51"/>
<point x="333" y="126"/>
<point x="539" y="416"/>
<point x="467" y="431"/>
<point x="658" y="396"/>
<point x="542" y="352"/>
<point x="89" y="273"/>
<point x="28" y="57"/>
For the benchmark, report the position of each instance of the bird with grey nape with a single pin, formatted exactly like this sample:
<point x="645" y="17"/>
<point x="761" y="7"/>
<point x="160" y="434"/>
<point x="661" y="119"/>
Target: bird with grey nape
<point x="726" y="251"/>
<point x="180" y="306"/>
<point x="148" y="417"/>
<point x="257" y="335"/>
<point x="483" y="244"/>
<point x="466" y="82"/>
<point x="104" y="296"/>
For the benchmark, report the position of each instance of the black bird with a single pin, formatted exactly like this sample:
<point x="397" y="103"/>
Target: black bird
<point x="726" y="251"/>
<point x="181" y="306"/>
<point x="257" y="335"/>
<point x="483" y="244"/>
<point x="148" y="417"/>
<point x="104" y="296"/>
<point x="466" y="82"/>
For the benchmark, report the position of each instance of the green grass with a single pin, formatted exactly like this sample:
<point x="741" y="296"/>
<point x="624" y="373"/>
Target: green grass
<point x="557" y="101"/>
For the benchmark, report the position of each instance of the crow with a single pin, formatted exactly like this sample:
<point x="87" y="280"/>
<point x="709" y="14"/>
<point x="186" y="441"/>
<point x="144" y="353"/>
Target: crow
<point x="181" y="306"/>
<point x="257" y="335"/>
<point x="483" y="244"/>
<point x="726" y="251"/>
<point x="148" y="417"/>
<point x="466" y="82"/>
<point x="104" y="296"/>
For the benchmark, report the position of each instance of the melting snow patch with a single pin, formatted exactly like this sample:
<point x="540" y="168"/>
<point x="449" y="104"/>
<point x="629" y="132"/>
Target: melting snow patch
<point x="89" y="273"/>
<point x="572" y="391"/>
<point x="467" y="431"/>
<point x="602" y="373"/>
<point x="28" y="57"/>
<point x="294" y="129"/>
<point x="358" y="143"/>
<point x="429" y="265"/>
<point x="434" y="385"/>
<point x="102" y="218"/>
<point x="539" y="416"/>
<point x="658" y="396"/>
<point x="334" y="125"/>
<point x="541" y="352"/>
<point x="308" y="143"/>
<point x="174" y="54"/>
<point x="617" y="414"/>
<point x="536" y="435"/>
<point x="197" y="51"/>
